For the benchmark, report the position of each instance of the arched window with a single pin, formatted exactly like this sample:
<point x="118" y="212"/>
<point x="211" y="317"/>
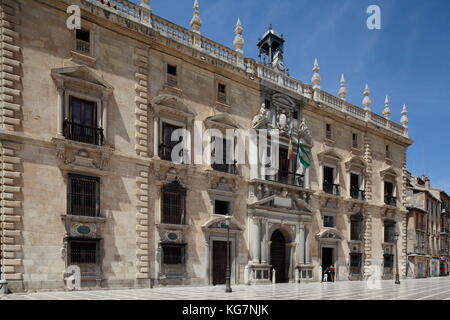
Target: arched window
<point x="173" y="200"/>
<point x="356" y="227"/>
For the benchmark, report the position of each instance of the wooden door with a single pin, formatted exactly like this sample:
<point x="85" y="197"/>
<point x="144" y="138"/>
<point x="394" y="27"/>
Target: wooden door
<point x="219" y="262"/>
<point x="278" y="256"/>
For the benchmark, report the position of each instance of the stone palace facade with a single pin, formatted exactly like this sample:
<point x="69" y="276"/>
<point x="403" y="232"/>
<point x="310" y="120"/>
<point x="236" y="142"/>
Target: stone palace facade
<point x="86" y="118"/>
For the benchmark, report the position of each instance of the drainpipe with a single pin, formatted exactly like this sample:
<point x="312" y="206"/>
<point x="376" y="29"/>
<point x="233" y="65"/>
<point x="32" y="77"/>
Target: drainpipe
<point x="3" y="287"/>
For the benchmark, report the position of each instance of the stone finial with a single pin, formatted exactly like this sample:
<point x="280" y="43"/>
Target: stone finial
<point x="145" y="4"/>
<point x="342" y="91"/>
<point x="387" y="109"/>
<point x="196" y="22"/>
<point x="366" y="101"/>
<point x="316" y="77"/>
<point x="238" y="39"/>
<point x="404" y="120"/>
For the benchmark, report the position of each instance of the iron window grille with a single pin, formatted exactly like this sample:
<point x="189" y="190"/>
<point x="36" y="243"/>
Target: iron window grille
<point x="356" y="227"/>
<point x="81" y="123"/>
<point x="355" y="263"/>
<point x="173" y="254"/>
<point x="83" y="252"/>
<point x="173" y="204"/>
<point x="389" y="232"/>
<point x="167" y="145"/>
<point x="83" y="196"/>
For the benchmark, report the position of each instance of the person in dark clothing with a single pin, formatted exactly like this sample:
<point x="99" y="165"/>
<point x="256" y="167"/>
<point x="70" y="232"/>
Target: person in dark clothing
<point x="331" y="269"/>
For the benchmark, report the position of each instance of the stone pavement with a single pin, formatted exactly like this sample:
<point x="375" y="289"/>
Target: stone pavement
<point x="411" y="289"/>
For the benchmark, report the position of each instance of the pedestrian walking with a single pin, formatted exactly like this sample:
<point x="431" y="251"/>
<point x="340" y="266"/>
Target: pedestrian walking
<point x="325" y="275"/>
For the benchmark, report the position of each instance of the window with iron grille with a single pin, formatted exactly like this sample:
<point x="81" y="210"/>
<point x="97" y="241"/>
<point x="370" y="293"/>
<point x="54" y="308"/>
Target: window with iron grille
<point x="167" y="145"/>
<point x="172" y="79"/>
<point x="83" y="196"/>
<point x="388" y="151"/>
<point x="355" y="143"/>
<point x="388" y="261"/>
<point x="222" y="93"/>
<point x="173" y="254"/>
<point x="355" y="263"/>
<point x="83" y="252"/>
<point x="83" y="41"/>
<point x="81" y="122"/>
<point x="389" y="231"/>
<point x="356" y="227"/>
<point x="173" y="203"/>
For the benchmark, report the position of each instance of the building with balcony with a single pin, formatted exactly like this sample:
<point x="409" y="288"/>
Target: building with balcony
<point x="87" y="128"/>
<point x="427" y="229"/>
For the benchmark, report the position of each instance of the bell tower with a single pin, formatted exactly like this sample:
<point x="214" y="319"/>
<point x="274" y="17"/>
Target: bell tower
<point x="271" y="49"/>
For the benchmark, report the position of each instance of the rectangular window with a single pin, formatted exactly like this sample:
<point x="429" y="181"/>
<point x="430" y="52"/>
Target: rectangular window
<point x="328" y="131"/>
<point x="83" y="41"/>
<point x="222" y="93"/>
<point x="81" y="122"/>
<point x="355" y="263"/>
<point x="267" y="103"/>
<point x="173" y="199"/>
<point x="167" y="145"/>
<point x="328" y="181"/>
<point x="355" y="143"/>
<point x="83" y="252"/>
<point x="173" y="254"/>
<point x="328" y="221"/>
<point x="172" y="79"/>
<point x="388" y="263"/>
<point x="388" y="151"/>
<point x="355" y="191"/>
<point x="389" y="198"/>
<point x="296" y="115"/>
<point x="222" y="207"/>
<point x="389" y="231"/>
<point x="83" y="196"/>
<point x="224" y="166"/>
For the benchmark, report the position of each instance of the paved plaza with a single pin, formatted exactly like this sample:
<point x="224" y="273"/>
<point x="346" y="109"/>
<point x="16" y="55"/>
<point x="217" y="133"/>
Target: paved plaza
<point x="411" y="289"/>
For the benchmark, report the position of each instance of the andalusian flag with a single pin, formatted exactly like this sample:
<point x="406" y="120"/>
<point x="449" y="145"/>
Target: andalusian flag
<point x="290" y="151"/>
<point x="303" y="156"/>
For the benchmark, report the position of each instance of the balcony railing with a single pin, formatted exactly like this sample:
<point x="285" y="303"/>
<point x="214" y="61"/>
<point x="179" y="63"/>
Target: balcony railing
<point x="390" y="200"/>
<point x="444" y="230"/>
<point x="172" y="80"/>
<point x="227" y="168"/>
<point x="357" y="194"/>
<point x="86" y="134"/>
<point x="289" y="178"/>
<point x="331" y="188"/>
<point x="165" y="152"/>
<point x="83" y="46"/>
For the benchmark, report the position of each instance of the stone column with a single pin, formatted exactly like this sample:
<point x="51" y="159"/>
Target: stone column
<point x="291" y="272"/>
<point x="60" y="113"/>
<point x="301" y="244"/>
<point x="105" y="120"/>
<point x="308" y="244"/>
<point x="256" y="240"/>
<point x="156" y="137"/>
<point x="207" y="260"/>
<point x="264" y="245"/>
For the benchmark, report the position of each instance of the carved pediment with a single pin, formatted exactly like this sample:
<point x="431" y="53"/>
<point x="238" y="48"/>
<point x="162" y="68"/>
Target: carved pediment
<point x="330" y="235"/>
<point x="222" y="120"/>
<point x="217" y="223"/>
<point x="388" y="171"/>
<point x="172" y="105"/>
<point x="329" y="154"/>
<point x="355" y="161"/>
<point x="81" y="76"/>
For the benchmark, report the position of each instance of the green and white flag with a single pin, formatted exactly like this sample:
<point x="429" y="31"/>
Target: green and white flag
<point x="303" y="156"/>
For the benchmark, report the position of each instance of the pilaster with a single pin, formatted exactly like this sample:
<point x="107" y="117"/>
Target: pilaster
<point x="142" y="224"/>
<point x="141" y="57"/>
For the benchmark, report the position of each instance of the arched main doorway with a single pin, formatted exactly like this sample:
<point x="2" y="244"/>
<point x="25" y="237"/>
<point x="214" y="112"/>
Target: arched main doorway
<point x="278" y="256"/>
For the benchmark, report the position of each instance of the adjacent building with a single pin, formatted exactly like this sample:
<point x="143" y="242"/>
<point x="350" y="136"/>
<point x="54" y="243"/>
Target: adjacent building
<point x="88" y="181"/>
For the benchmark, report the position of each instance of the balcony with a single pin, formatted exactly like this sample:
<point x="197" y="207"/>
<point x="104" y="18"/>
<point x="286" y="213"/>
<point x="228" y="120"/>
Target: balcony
<point x="83" y="46"/>
<point x="357" y="194"/>
<point x="289" y="178"/>
<point x="226" y="168"/>
<point x="444" y="230"/>
<point x="81" y="133"/>
<point x="390" y="200"/>
<point x="331" y="188"/>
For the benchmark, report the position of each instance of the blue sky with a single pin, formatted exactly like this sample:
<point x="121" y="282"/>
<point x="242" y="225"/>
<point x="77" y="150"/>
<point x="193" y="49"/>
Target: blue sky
<point x="408" y="59"/>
